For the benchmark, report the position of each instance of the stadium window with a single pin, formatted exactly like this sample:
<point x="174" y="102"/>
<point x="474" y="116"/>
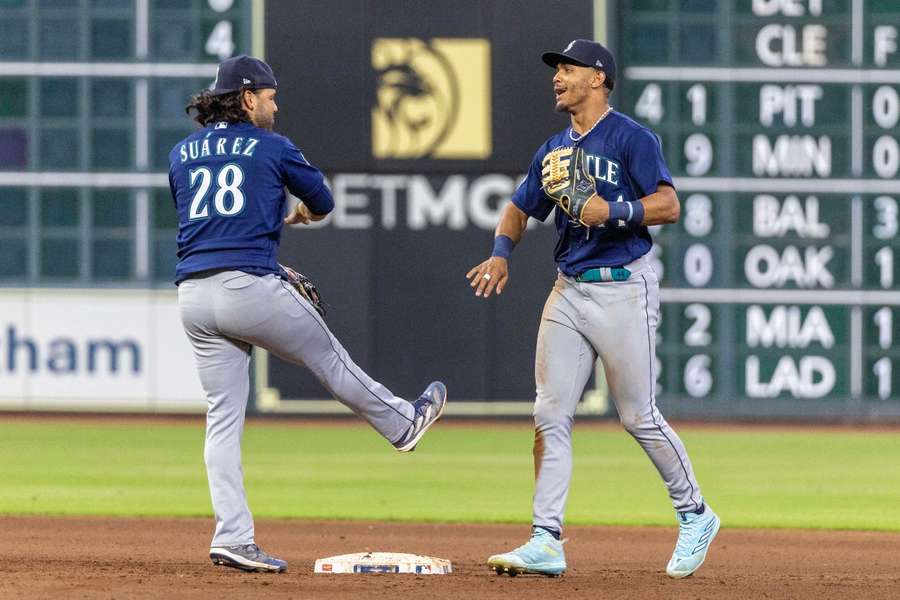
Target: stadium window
<point x="59" y="97"/>
<point x="60" y="148"/>
<point x="13" y="207"/>
<point x="165" y="224"/>
<point x="111" y="39"/>
<point x="112" y="245"/>
<point x="60" y="219"/>
<point x="111" y="97"/>
<point x="60" y="208"/>
<point x="14" y="235"/>
<point x="112" y="209"/>
<point x="59" y="256"/>
<point x="59" y="38"/>
<point x="112" y="259"/>
<point x="13" y="97"/>
<point x="111" y="148"/>
<point x="13" y="147"/>
<point x="120" y="4"/>
<point x="175" y="37"/>
<point x="14" y="38"/>
<point x="13" y="256"/>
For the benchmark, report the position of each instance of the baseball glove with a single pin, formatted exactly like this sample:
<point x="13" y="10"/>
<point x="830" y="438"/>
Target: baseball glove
<point x="565" y="180"/>
<point x="306" y="288"/>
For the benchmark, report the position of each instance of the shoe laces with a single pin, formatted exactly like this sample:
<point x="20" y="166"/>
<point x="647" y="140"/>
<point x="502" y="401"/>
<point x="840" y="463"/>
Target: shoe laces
<point x="536" y="543"/>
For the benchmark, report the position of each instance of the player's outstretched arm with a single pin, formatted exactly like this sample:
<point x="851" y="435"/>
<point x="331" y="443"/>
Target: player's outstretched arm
<point x="493" y="273"/>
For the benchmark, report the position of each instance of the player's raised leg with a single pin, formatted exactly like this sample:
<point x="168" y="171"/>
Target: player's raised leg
<point x="293" y="331"/>
<point x="563" y="364"/>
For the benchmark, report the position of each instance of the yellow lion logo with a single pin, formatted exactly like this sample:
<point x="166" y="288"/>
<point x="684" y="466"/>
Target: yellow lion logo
<point x="424" y="109"/>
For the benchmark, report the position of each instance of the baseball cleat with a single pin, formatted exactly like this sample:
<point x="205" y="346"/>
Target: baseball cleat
<point x="542" y="555"/>
<point x="695" y="534"/>
<point x="248" y="557"/>
<point x="429" y="408"/>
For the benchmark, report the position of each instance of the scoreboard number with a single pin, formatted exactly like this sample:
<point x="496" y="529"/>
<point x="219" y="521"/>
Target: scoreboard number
<point x="649" y="104"/>
<point x="696" y="95"/>
<point x="698" y="219"/>
<point x="887" y="218"/>
<point x="882" y="370"/>
<point x="884" y="258"/>
<point x="698" y="151"/>
<point x="886" y="107"/>
<point x="698" y="379"/>
<point x="884" y="321"/>
<point x="698" y="332"/>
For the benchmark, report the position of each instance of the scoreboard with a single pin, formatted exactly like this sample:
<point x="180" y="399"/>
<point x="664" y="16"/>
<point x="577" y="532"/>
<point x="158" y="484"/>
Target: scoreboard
<point x="780" y="120"/>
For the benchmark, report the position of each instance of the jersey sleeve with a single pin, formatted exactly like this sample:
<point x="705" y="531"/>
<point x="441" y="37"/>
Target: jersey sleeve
<point x="172" y="189"/>
<point x="529" y="196"/>
<point x="305" y="181"/>
<point x="646" y="165"/>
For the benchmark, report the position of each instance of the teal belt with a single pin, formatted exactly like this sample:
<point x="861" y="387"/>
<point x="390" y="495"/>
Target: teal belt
<point x="604" y="274"/>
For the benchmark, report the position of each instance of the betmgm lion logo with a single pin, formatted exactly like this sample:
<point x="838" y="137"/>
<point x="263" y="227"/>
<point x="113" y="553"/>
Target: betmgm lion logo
<point x="433" y="98"/>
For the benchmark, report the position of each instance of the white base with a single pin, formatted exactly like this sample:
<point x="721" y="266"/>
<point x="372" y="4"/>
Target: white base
<point x="383" y="562"/>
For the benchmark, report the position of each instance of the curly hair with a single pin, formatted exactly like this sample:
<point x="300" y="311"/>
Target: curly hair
<point x="212" y="109"/>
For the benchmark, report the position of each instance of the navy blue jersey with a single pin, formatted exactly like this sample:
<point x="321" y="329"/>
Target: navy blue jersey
<point x="626" y="162"/>
<point x="228" y="182"/>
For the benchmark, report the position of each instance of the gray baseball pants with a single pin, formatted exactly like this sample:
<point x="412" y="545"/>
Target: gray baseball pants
<point x="224" y="315"/>
<point x="616" y="321"/>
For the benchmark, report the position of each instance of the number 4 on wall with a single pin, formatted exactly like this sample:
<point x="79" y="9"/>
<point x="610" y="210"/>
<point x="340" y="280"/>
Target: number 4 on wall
<point x="220" y="42"/>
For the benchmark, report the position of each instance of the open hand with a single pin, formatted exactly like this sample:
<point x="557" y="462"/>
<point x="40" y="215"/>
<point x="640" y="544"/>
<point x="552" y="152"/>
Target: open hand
<point x="489" y="276"/>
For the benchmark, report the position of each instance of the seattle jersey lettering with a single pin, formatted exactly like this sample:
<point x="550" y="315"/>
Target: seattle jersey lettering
<point x="602" y="169"/>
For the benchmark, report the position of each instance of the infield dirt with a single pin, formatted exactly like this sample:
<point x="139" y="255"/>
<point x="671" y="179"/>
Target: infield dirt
<point x="166" y="558"/>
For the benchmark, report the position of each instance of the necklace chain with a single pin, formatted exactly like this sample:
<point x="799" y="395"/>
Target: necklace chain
<point x="582" y="136"/>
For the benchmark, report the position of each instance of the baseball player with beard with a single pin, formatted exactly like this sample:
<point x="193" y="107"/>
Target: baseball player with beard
<point x="228" y="180"/>
<point x="606" y="177"/>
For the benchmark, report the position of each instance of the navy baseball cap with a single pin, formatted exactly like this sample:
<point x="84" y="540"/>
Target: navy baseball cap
<point x="242" y="71"/>
<point x="585" y="53"/>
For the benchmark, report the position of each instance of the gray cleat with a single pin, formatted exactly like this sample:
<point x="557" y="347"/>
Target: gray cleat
<point x="429" y="408"/>
<point x="248" y="557"/>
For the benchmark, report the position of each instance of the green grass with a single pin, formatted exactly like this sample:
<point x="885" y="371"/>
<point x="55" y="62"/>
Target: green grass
<point x="753" y="478"/>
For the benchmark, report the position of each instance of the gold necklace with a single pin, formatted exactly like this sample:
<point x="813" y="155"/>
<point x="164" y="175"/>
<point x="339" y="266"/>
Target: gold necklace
<point x="581" y="137"/>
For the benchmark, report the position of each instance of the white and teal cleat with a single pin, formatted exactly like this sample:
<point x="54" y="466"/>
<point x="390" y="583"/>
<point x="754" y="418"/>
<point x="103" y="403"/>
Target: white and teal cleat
<point x="695" y="534"/>
<point x="542" y="555"/>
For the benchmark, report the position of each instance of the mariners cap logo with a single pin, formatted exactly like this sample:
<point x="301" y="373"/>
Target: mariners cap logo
<point x="246" y="80"/>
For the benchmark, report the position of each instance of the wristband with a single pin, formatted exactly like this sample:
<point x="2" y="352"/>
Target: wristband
<point x="630" y="212"/>
<point x="503" y="246"/>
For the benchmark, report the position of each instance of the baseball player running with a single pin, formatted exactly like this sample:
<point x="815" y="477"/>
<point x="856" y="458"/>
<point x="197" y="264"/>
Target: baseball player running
<point x="228" y="180"/>
<point x="606" y="178"/>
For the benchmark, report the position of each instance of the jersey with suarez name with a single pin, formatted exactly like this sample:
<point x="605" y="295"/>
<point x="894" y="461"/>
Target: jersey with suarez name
<point x="626" y="162"/>
<point x="228" y="181"/>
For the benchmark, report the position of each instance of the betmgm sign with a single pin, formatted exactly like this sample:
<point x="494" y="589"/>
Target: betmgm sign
<point x="433" y="98"/>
